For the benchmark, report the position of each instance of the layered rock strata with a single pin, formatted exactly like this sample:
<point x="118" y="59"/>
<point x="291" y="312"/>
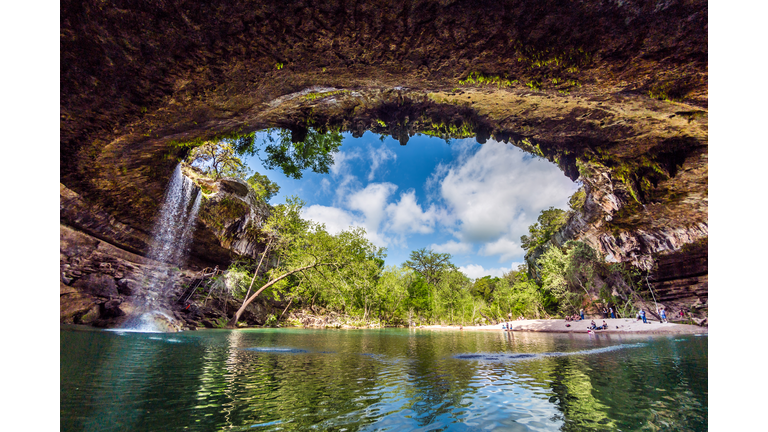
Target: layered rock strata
<point x="615" y="93"/>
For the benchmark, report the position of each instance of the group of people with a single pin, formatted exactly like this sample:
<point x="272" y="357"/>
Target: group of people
<point x="605" y="311"/>
<point x="608" y="312"/>
<point x="593" y="326"/>
<point x="662" y="314"/>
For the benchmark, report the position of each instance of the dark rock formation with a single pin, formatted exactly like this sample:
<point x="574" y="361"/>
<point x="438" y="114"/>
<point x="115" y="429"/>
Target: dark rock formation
<point x="99" y="285"/>
<point x="232" y="213"/>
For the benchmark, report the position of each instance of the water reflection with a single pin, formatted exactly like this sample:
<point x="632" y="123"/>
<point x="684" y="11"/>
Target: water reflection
<point x="379" y="380"/>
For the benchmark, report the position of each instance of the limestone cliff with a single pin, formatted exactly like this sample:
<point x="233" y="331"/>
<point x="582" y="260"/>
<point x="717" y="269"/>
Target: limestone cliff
<point x="232" y="212"/>
<point x="104" y="276"/>
<point x="615" y="93"/>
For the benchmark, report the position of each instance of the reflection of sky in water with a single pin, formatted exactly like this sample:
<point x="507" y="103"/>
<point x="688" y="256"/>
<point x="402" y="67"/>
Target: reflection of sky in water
<point x="379" y="380"/>
<point x="497" y="357"/>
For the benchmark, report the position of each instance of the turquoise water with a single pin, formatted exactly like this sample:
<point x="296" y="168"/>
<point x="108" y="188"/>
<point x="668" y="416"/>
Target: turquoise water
<point x="380" y="380"/>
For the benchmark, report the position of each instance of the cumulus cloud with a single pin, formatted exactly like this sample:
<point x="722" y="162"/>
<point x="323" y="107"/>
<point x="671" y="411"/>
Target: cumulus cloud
<point x="486" y="199"/>
<point x="378" y="157"/>
<point x="475" y="271"/>
<point x="371" y="201"/>
<point x="504" y="247"/>
<point x="452" y="247"/>
<point x="335" y="219"/>
<point x="495" y="193"/>
<point x="406" y="216"/>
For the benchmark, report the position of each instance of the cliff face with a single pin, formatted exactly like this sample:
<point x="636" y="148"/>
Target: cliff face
<point x="232" y="213"/>
<point x="613" y="92"/>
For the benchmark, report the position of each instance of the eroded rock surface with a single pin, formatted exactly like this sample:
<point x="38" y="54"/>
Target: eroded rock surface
<point x="615" y="93"/>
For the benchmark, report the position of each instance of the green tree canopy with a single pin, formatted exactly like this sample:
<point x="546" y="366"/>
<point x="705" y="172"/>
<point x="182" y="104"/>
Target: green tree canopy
<point x="549" y="222"/>
<point x="218" y="158"/>
<point x="430" y="265"/>
<point x="263" y="186"/>
<point x="484" y="287"/>
<point x="315" y="151"/>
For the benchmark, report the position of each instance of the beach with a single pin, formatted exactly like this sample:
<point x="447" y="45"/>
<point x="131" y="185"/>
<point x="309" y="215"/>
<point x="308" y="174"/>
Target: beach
<point x="616" y="325"/>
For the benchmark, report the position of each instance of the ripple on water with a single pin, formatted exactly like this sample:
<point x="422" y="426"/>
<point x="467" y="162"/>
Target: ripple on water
<point x="276" y="350"/>
<point x="497" y="357"/>
<point x="292" y="381"/>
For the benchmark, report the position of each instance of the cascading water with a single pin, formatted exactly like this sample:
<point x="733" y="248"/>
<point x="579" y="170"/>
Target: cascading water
<point x="171" y="237"/>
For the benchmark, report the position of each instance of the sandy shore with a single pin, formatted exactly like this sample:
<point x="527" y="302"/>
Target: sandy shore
<point x="618" y="325"/>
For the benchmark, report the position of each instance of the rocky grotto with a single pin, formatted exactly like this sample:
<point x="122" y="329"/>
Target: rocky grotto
<point x="613" y="92"/>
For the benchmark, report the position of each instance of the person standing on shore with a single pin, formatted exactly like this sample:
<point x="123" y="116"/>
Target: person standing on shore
<point x="663" y="316"/>
<point x="642" y="315"/>
<point x="610" y="309"/>
<point x="581" y="313"/>
<point x="605" y="313"/>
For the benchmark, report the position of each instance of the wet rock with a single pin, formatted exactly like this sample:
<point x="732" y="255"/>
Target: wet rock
<point x="208" y="324"/>
<point x="97" y="284"/>
<point x="111" y="309"/>
<point x="74" y="304"/>
<point x="127" y="287"/>
<point x="90" y="316"/>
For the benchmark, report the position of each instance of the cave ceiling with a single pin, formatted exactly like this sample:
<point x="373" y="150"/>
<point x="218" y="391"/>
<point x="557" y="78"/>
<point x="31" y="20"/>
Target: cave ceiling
<point x="601" y="88"/>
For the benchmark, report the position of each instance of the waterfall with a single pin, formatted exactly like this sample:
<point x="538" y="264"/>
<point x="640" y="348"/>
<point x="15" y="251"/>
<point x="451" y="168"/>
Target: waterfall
<point x="169" y="246"/>
<point x="175" y="224"/>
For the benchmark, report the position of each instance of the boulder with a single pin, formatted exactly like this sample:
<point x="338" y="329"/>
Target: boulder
<point x="111" y="309"/>
<point x="73" y="304"/>
<point x="208" y="324"/>
<point x="127" y="287"/>
<point x="97" y="284"/>
<point x="90" y="316"/>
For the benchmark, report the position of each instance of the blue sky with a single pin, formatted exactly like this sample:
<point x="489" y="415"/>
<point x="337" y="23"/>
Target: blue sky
<point x="470" y="200"/>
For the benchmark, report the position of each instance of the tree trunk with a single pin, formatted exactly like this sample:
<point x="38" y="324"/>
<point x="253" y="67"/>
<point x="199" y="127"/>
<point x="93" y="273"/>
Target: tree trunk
<point x="233" y="322"/>
<point x="255" y="273"/>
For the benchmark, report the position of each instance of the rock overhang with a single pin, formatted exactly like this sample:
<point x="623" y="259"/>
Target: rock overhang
<point x="609" y="125"/>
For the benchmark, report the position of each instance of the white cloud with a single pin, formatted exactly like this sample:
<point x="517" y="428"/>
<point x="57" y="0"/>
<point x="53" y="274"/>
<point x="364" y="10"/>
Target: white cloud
<point x="335" y="219"/>
<point x="496" y="193"/>
<point x="504" y="247"/>
<point x="485" y="199"/>
<point x="475" y="271"/>
<point x="452" y="247"/>
<point x="406" y="216"/>
<point x="325" y="185"/>
<point x="378" y="157"/>
<point x="371" y="202"/>
<point x="341" y="162"/>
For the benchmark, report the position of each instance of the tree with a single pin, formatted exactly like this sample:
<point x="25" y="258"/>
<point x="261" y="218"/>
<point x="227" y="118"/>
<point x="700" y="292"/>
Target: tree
<point x="419" y="294"/>
<point x="314" y="151"/>
<point x="329" y="262"/>
<point x="429" y="264"/>
<point x="393" y="291"/>
<point x="263" y="186"/>
<point x="218" y="158"/>
<point x="484" y="287"/>
<point x="451" y="294"/>
<point x="549" y="222"/>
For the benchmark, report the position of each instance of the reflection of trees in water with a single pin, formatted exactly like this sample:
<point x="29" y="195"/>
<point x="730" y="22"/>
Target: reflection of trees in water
<point x="211" y="381"/>
<point x="574" y="394"/>
<point x="247" y="387"/>
<point x="630" y="390"/>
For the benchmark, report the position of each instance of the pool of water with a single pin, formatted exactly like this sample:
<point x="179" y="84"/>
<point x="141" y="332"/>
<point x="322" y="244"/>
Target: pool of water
<point x="380" y="380"/>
